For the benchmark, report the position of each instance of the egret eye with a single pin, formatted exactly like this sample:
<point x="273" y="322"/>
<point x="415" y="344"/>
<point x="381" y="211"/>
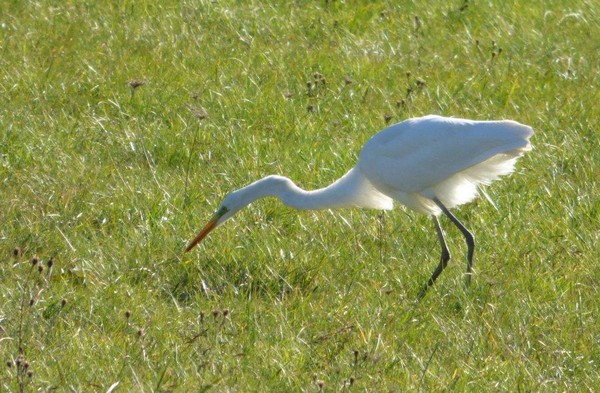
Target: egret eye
<point x="221" y="212"/>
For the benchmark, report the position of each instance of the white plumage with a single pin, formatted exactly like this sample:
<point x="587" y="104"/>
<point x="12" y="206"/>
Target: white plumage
<point x="433" y="156"/>
<point x="430" y="164"/>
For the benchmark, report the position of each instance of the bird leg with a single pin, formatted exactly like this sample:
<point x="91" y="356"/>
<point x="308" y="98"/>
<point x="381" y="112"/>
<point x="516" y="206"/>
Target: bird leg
<point x="445" y="257"/>
<point x="469" y="238"/>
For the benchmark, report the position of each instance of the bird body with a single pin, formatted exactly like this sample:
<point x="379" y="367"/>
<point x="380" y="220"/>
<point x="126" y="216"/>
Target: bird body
<point x="430" y="164"/>
<point x="433" y="156"/>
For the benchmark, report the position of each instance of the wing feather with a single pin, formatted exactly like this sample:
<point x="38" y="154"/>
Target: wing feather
<point x="420" y="153"/>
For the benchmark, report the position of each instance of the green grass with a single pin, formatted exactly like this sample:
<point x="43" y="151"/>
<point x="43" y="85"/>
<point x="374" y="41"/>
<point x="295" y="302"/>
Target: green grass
<point x="111" y="182"/>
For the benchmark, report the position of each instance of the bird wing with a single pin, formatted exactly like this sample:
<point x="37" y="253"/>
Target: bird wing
<point x="419" y="153"/>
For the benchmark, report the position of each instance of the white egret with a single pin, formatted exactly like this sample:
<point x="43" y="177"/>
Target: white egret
<point x="430" y="164"/>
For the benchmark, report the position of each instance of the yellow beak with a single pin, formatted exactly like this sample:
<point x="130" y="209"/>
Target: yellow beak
<point x="205" y="231"/>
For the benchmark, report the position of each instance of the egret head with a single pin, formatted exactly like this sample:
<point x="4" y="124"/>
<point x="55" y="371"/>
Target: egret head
<point x="230" y="205"/>
<point x="268" y="186"/>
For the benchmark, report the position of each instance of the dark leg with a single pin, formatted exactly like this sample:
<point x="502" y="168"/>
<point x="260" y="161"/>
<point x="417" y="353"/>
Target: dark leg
<point x="443" y="259"/>
<point x="470" y="239"/>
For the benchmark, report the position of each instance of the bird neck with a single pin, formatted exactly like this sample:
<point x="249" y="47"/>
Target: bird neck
<point x="351" y="190"/>
<point x="291" y="195"/>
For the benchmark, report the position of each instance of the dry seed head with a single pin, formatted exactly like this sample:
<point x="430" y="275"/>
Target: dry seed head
<point x="321" y="384"/>
<point x="40" y="268"/>
<point x="215" y="313"/>
<point x="34" y="261"/>
<point x="134" y="84"/>
<point x="417" y="23"/>
<point x="199" y="113"/>
<point x="17" y="252"/>
<point x="50" y="263"/>
<point x="225" y="313"/>
<point x="319" y="78"/>
<point x="127" y="314"/>
<point x="30" y="373"/>
<point x="63" y="303"/>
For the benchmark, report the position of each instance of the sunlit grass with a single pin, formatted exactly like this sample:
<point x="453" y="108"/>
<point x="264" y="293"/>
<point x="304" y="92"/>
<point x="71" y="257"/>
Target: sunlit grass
<point x="123" y="125"/>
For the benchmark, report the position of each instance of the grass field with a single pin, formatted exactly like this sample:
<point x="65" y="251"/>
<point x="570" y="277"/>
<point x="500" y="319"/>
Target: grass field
<point x="123" y="124"/>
